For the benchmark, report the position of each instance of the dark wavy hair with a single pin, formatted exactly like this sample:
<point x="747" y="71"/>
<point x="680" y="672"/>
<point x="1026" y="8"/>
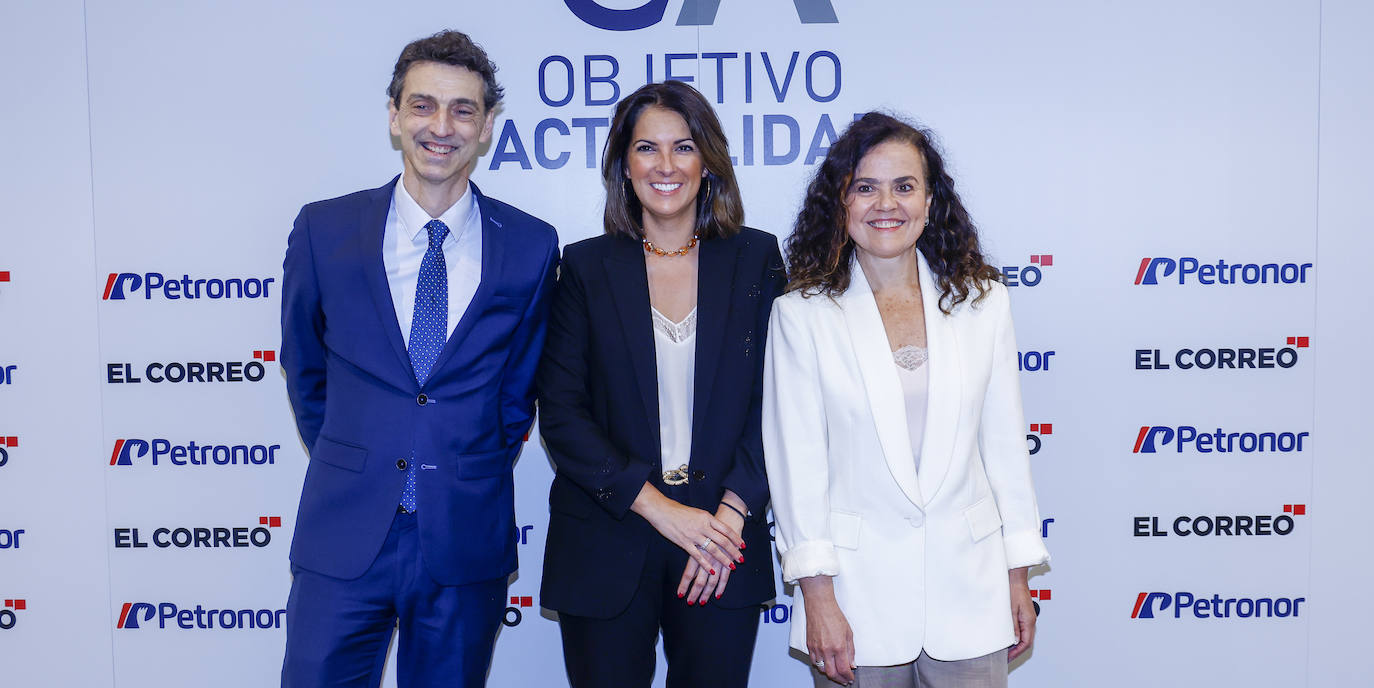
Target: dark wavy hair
<point x="820" y="249"/>
<point x="720" y="209"/>
<point x="452" y="48"/>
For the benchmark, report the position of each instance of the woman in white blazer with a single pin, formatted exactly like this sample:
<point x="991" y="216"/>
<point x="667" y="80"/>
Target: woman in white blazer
<point x="892" y="428"/>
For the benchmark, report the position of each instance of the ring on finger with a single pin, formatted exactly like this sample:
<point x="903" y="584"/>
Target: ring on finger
<point x="820" y="664"/>
<point x="704" y="544"/>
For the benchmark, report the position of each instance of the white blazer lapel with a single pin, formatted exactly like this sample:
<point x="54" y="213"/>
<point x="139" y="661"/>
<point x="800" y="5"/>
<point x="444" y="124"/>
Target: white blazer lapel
<point x="943" y="396"/>
<point x="884" y="389"/>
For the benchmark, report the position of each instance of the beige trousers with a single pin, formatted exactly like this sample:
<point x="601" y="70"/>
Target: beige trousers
<point x="988" y="671"/>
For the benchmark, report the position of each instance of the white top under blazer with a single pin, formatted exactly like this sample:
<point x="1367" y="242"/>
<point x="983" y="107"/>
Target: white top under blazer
<point x="910" y="364"/>
<point x="675" y="354"/>
<point x="919" y="555"/>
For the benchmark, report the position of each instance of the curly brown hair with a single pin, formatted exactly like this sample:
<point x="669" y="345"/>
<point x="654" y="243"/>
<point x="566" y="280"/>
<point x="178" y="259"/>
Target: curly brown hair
<point x="820" y="249"/>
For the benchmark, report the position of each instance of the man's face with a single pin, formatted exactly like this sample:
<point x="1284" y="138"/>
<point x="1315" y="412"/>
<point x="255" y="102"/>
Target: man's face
<point x="441" y="122"/>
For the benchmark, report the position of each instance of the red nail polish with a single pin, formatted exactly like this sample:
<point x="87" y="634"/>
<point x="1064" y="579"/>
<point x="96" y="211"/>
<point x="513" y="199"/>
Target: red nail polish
<point x="691" y="602"/>
<point x="681" y="595"/>
<point x="713" y="572"/>
<point x="741" y="545"/>
<point x="741" y="558"/>
<point x="732" y="567"/>
<point x="717" y="595"/>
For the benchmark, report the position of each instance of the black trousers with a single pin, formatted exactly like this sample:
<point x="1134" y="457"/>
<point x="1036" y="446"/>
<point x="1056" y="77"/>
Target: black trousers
<point x="705" y="645"/>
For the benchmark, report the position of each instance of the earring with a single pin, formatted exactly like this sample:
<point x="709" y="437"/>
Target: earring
<point x="927" y="221"/>
<point x="708" y="187"/>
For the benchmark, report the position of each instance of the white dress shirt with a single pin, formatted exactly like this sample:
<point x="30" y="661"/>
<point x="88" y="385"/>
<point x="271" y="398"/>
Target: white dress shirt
<point x="405" y="241"/>
<point x="675" y="351"/>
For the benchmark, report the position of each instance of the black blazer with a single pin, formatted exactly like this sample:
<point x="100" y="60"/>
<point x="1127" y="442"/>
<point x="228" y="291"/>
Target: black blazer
<point x="598" y="414"/>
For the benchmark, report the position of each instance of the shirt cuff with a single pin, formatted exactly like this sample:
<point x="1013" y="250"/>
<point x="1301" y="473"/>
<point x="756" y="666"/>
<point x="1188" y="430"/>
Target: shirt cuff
<point x="1025" y="549"/>
<point x="814" y="558"/>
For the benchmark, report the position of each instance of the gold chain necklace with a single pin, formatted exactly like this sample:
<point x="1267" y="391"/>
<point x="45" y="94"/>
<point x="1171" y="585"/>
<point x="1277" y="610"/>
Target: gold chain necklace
<point x="650" y="248"/>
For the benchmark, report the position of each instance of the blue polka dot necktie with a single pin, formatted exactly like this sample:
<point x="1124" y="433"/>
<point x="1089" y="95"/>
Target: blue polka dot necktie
<point x="428" y="327"/>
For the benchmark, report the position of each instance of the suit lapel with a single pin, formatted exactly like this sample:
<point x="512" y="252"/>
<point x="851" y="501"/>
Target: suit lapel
<point x="883" y="387"/>
<point x="629" y="282"/>
<point x="716" y="265"/>
<point x="943" y="396"/>
<point x="493" y="252"/>
<point x="370" y="239"/>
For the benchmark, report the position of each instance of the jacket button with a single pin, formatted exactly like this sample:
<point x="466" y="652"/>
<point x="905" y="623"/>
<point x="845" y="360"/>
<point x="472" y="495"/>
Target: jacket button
<point x="401" y="464"/>
<point x="916" y="521"/>
<point x="698" y="475"/>
<point x="422" y="399"/>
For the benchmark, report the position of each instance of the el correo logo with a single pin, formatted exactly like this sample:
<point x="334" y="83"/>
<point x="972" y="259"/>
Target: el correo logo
<point x="694" y="13"/>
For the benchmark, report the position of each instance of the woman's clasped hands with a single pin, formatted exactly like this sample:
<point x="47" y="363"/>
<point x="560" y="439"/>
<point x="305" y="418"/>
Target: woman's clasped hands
<point x="713" y="543"/>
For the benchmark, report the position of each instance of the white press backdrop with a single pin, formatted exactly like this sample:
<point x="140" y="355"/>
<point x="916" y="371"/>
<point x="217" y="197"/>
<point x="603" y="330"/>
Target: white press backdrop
<point x="180" y="139"/>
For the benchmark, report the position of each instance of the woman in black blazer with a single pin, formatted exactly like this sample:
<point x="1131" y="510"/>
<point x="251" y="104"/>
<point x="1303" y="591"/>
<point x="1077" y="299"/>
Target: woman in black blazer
<point x="649" y="398"/>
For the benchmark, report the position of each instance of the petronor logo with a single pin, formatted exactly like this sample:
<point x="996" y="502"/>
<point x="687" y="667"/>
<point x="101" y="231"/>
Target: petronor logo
<point x="141" y="615"/>
<point x="1151" y="605"/>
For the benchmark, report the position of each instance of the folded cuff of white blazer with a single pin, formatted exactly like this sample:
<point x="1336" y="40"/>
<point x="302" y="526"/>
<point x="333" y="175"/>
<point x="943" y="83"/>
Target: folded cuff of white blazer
<point x="1024" y="549"/>
<point x="813" y="558"/>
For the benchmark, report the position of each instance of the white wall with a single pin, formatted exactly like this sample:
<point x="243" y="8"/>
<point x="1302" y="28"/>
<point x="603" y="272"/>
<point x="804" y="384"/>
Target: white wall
<point x="52" y="485"/>
<point x="1341" y="546"/>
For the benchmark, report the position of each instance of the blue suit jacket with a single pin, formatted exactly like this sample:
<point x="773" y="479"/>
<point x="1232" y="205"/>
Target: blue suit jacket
<point x="362" y="415"/>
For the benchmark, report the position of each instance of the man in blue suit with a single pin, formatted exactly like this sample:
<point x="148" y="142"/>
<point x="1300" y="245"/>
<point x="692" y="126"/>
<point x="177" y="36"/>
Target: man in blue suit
<point x="412" y="320"/>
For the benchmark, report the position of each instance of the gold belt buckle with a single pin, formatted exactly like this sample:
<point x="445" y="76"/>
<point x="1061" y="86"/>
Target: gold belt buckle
<point x="676" y="476"/>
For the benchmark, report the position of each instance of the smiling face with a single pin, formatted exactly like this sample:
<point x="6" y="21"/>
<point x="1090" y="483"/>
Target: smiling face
<point x="888" y="200"/>
<point x="442" y="121"/>
<point x="664" y="167"/>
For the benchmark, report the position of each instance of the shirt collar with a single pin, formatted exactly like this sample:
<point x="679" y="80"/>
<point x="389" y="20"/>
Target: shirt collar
<point x="414" y="218"/>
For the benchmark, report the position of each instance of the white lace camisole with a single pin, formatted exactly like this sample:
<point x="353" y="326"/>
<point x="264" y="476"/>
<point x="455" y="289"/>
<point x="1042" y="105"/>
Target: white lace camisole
<point x="915" y="377"/>
<point x="675" y="349"/>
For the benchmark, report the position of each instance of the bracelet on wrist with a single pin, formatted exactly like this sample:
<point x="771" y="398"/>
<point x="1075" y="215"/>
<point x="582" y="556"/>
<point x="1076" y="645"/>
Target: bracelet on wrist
<point x="731" y="507"/>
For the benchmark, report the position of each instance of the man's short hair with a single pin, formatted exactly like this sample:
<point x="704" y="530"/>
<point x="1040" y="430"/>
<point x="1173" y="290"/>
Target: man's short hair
<point x="450" y="48"/>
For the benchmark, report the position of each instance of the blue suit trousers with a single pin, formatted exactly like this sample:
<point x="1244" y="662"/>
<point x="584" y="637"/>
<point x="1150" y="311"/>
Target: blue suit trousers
<point x="338" y="631"/>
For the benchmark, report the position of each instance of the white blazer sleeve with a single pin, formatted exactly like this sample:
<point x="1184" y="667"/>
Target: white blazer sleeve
<point x="1002" y="443"/>
<point x="794" y="444"/>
